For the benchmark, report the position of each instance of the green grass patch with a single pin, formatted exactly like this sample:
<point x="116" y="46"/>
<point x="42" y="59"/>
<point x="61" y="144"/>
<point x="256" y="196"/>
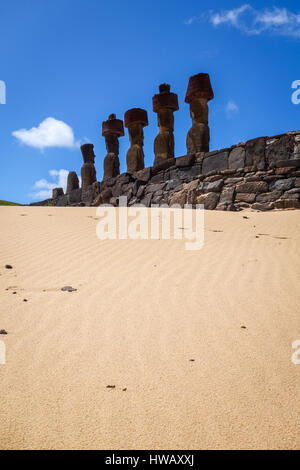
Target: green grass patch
<point x="8" y="203"/>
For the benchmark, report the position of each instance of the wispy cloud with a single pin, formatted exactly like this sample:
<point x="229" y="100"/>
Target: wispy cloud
<point x="231" y="108"/>
<point x="42" y="189"/>
<point x="49" y="133"/>
<point x="251" y="21"/>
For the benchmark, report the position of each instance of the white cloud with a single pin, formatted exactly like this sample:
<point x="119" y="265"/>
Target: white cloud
<point x="251" y="21"/>
<point x="230" y="16"/>
<point x="231" y="108"/>
<point x="49" y="133"/>
<point x="42" y="189"/>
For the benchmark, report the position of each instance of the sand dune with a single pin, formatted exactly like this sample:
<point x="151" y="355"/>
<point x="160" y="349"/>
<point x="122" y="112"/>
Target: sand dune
<point x="142" y="311"/>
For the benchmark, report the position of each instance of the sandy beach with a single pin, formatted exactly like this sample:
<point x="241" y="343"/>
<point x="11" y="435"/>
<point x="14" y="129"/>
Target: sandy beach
<point x="196" y="346"/>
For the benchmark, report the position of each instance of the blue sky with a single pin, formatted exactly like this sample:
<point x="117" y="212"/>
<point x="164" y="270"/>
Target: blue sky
<point x="76" y="61"/>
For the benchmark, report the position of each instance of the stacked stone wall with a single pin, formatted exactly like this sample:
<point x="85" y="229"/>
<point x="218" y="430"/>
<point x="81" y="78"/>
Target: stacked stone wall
<point x="262" y="174"/>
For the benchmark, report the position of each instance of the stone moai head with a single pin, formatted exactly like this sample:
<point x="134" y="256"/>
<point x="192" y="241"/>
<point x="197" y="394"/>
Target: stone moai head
<point x="112" y="129"/>
<point x="135" y="120"/>
<point x="199" y="92"/>
<point x="73" y="182"/>
<point x="87" y="151"/>
<point x="164" y="104"/>
<point x="88" y="171"/>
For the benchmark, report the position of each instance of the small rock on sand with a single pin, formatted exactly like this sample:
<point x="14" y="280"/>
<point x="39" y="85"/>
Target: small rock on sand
<point x="68" y="289"/>
<point x="3" y="332"/>
<point x="8" y="266"/>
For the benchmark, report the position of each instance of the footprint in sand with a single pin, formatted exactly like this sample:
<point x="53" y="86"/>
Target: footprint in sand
<point x="268" y="235"/>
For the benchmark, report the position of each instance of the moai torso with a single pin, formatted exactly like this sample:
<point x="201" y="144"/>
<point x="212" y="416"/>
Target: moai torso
<point x="199" y="92"/>
<point x="73" y="182"/>
<point x="135" y="120"/>
<point x="88" y="170"/>
<point x="112" y="129"/>
<point x="164" y="104"/>
<point x="198" y="136"/>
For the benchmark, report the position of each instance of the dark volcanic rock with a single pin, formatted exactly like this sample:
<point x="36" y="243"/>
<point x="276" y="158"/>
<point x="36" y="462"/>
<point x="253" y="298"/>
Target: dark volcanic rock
<point x="143" y="175"/>
<point x="75" y="196"/>
<point x="227" y="196"/>
<point x="163" y="165"/>
<point x="216" y="162"/>
<point x="57" y="192"/>
<point x="245" y="197"/>
<point x="237" y="158"/>
<point x="209" y="200"/>
<point x="255" y="153"/>
<point x="280" y="151"/>
<point x="178" y="198"/>
<point x="282" y="184"/>
<point x="287" y="204"/>
<point x="259" y="206"/>
<point x="268" y="197"/>
<point x="214" y="186"/>
<point x="252" y="187"/>
<point x="73" y="182"/>
<point x="186" y="160"/>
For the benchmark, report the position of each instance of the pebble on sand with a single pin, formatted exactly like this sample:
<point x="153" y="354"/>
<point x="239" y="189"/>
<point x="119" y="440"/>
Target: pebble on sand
<point x="68" y="289"/>
<point x="8" y="266"/>
<point x="3" y="332"/>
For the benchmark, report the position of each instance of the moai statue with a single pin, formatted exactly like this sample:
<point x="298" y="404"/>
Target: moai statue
<point x="164" y="104"/>
<point x="112" y="129"/>
<point x="88" y="170"/>
<point x="135" y="119"/>
<point x="199" y="92"/>
<point x="57" y="192"/>
<point x="73" y="182"/>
